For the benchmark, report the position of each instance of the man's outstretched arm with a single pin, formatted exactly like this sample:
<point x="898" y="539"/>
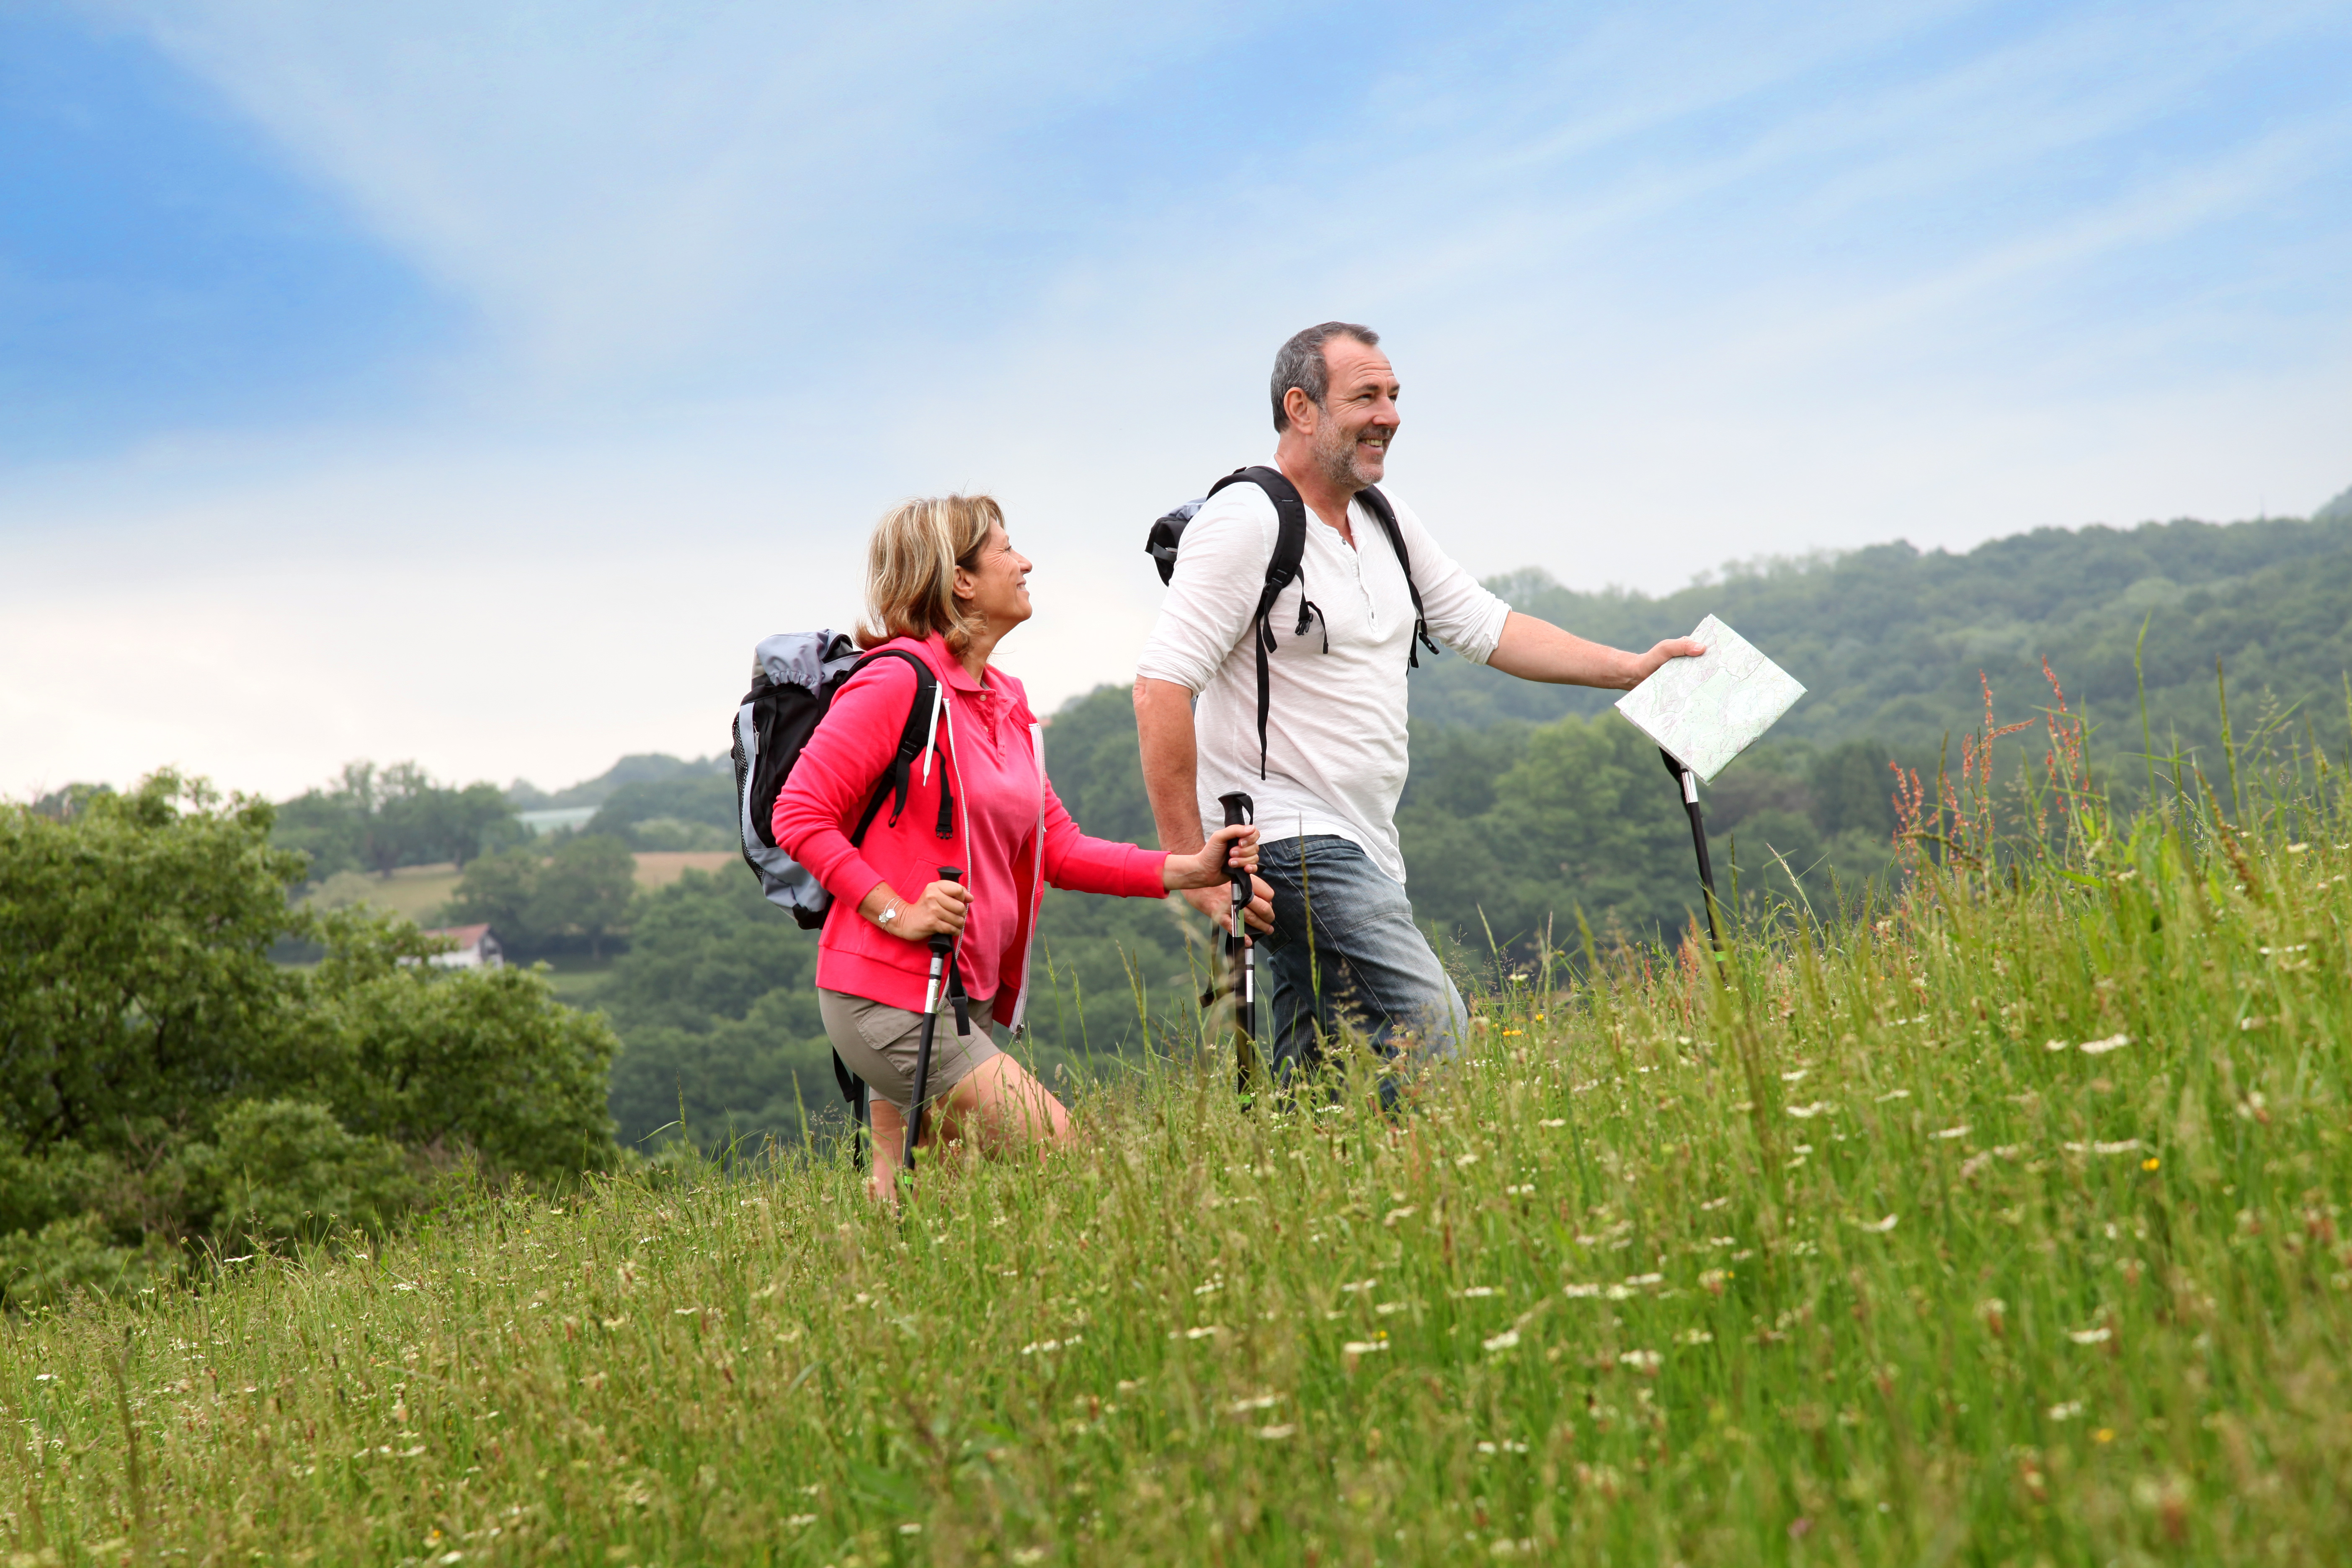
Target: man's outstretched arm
<point x="1163" y="728"/>
<point x="1538" y="650"/>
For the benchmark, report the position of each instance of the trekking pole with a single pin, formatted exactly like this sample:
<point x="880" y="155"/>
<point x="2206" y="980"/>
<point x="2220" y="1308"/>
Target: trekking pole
<point x="943" y="956"/>
<point x="1698" y="840"/>
<point x="1244" y="957"/>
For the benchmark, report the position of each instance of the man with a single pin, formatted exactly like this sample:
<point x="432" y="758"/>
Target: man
<point x="1334" y="760"/>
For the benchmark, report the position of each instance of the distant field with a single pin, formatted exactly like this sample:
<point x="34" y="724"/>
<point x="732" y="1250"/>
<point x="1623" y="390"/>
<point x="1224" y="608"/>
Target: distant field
<point x="419" y="892"/>
<point x="659" y="868"/>
<point x="416" y="891"/>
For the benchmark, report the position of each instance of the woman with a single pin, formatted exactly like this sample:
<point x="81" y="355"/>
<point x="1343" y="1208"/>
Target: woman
<point x="944" y="583"/>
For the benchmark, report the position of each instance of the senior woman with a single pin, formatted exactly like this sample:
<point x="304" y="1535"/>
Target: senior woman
<point x="944" y="583"/>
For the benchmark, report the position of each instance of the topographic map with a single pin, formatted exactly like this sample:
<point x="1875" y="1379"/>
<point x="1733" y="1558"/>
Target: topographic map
<point x="1706" y="710"/>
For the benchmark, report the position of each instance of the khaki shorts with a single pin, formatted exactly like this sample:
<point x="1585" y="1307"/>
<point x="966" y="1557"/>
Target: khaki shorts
<point x="879" y="1041"/>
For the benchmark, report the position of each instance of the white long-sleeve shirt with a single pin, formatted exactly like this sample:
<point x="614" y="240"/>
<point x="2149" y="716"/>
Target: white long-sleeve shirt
<point x="1335" y="727"/>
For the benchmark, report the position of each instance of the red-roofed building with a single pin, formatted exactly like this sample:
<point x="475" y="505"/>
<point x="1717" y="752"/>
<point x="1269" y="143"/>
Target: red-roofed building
<point x="478" y="948"/>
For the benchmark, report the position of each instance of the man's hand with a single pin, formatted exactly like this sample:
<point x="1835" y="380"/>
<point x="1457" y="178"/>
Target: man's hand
<point x="1646" y="664"/>
<point x="1217" y="903"/>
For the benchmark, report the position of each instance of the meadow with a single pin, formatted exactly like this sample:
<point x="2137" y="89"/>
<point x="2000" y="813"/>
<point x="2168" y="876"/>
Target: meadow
<point x="2003" y="1225"/>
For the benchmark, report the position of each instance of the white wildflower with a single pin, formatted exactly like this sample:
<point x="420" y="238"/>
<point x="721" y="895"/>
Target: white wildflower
<point x="1960" y="1132"/>
<point x="2097" y="1336"/>
<point x="2101" y="1047"/>
<point x="1881" y="1225"/>
<point x="1502" y="1342"/>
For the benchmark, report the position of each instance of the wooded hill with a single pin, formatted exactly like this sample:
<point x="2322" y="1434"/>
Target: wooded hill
<point x="1531" y="804"/>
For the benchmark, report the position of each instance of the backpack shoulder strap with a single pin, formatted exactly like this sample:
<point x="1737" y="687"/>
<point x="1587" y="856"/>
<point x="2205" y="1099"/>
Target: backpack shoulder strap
<point x="1281" y="571"/>
<point x="1385" y="515"/>
<point x="913" y="736"/>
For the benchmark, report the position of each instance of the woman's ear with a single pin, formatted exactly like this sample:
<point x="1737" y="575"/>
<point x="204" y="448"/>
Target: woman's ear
<point x="966" y="586"/>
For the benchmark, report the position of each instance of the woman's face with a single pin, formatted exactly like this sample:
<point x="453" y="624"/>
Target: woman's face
<point x="996" y="585"/>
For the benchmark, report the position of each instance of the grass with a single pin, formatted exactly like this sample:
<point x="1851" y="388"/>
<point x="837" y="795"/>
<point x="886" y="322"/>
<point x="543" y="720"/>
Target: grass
<point x="2004" y="1228"/>
<point x="416" y="891"/>
<point x="577" y="980"/>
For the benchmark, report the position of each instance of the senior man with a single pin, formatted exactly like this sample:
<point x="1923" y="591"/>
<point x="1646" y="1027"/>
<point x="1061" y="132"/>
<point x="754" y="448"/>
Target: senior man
<point x="1338" y="929"/>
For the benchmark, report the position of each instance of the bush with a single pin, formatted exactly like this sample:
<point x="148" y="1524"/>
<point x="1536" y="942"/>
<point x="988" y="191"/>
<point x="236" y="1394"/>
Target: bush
<point x="162" y="1081"/>
<point x="284" y="1170"/>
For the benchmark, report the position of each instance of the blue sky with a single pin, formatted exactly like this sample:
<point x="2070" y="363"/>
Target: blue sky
<point x="360" y="364"/>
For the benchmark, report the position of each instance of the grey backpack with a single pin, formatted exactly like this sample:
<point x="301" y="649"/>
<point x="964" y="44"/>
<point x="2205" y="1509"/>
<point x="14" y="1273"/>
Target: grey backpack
<point x="795" y="675"/>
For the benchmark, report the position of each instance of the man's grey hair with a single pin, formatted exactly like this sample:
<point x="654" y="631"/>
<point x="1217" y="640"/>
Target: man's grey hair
<point x="1300" y="364"/>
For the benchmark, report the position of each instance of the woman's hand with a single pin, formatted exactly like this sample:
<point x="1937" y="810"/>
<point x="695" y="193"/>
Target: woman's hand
<point x="940" y="909"/>
<point x="1229" y="849"/>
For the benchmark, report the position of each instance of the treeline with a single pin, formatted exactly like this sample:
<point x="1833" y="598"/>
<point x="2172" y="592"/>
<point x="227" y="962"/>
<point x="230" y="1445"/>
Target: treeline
<point x="165" y="1089"/>
<point x="1890" y="642"/>
<point x="379" y="819"/>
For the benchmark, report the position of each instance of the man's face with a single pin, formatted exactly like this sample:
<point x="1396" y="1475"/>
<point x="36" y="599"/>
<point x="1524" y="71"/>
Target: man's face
<point x="1349" y="435"/>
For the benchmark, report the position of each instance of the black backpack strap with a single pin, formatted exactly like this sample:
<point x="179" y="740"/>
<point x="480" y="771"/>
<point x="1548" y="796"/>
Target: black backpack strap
<point x="1281" y="571"/>
<point x="897" y="778"/>
<point x="1378" y="505"/>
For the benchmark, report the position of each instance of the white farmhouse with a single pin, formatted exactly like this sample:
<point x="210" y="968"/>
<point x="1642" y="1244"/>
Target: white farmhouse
<point x="478" y="948"/>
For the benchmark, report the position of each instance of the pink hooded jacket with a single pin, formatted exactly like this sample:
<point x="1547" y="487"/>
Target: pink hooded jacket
<point x="1005" y="783"/>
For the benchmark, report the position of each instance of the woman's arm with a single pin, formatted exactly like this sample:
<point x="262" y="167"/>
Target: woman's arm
<point x="1085" y="865"/>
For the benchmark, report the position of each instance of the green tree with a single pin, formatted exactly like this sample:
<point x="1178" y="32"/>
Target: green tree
<point x="140" y="1016"/>
<point x="382" y="818"/>
<point x="499" y="890"/>
<point x="585" y="887"/>
<point x="482" y="1059"/>
<point x="135" y="981"/>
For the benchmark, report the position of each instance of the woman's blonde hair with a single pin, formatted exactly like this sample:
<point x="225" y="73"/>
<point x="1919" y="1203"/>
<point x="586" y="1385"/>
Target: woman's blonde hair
<point x="910" y="567"/>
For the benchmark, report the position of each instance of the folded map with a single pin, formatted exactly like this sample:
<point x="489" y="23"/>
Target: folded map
<point x="1706" y="710"/>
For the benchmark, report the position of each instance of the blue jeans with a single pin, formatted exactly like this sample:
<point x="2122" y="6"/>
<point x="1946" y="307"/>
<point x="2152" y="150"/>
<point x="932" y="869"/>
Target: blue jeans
<point x="1344" y="947"/>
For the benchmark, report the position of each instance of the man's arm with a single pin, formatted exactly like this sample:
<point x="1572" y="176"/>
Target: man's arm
<point x="1538" y="650"/>
<point x="1163" y="728"/>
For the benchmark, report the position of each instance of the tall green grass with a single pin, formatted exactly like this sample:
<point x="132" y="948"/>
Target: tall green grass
<point x="2003" y="1227"/>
